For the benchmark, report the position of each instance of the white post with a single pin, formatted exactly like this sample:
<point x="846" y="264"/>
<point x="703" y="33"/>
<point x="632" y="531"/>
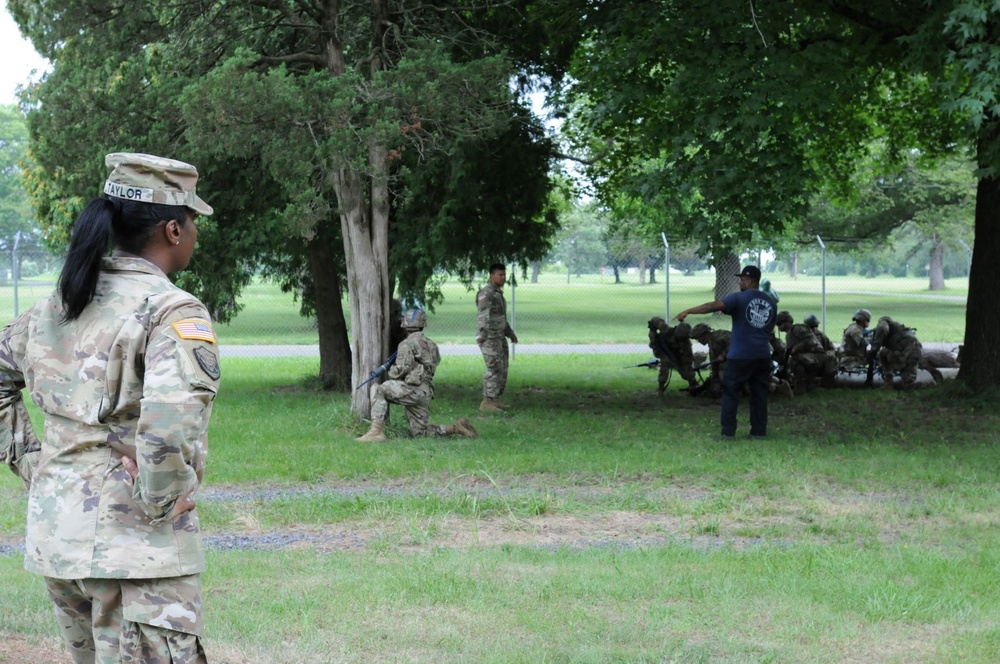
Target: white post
<point x="666" y="271"/>
<point x="14" y="272"/>
<point x="513" y="304"/>
<point x="823" y="247"/>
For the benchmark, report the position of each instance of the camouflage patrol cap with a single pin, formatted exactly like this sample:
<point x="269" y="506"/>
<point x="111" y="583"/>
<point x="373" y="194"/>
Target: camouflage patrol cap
<point x="700" y="330"/>
<point x="783" y="317"/>
<point x="811" y="320"/>
<point x="151" y="179"/>
<point x="682" y="331"/>
<point x="414" y="319"/>
<point x="862" y="314"/>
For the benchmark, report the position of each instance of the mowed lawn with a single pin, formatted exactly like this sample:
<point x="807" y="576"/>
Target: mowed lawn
<point x="594" y="522"/>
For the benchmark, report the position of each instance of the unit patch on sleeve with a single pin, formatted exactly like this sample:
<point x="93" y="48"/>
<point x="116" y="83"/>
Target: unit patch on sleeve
<point x="208" y="361"/>
<point x="195" y="328"/>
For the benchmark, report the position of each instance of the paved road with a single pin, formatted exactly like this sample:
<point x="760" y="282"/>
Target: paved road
<point x="518" y="349"/>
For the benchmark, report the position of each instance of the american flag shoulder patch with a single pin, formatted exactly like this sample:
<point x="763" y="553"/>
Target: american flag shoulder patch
<point x="195" y="328"/>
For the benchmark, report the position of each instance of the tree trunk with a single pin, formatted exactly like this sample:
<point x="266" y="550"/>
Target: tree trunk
<point x="871" y="270"/>
<point x="536" y="268"/>
<point x="618" y="276"/>
<point x="652" y="274"/>
<point x="334" y="346"/>
<point x="727" y="266"/>
<point x="367" y="283"/>
<point x="642" y="271"/>
<point x="980" y="368"/>
<point x="793" y="266"/>
<point x="936" y="268"/>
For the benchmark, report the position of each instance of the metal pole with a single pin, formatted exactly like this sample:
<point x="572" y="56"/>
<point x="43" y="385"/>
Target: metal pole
<point x="968" y="256"/>
<point x="823" y="247"/>
<point x="666" y="272"/>
<point x="513" y="304"/>
<point x="13" y="268"/>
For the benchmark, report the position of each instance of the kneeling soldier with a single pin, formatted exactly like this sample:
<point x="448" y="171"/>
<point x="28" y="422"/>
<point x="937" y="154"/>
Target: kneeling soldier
<point x="897" y="349"/>
<point x="411" y="384"/>
<point x="672" y="346"/>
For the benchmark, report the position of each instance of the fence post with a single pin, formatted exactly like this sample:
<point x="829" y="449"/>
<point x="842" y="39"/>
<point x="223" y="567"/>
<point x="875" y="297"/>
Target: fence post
<point x="666" y="271"/>
<point x="513" y="304"/>
<point x="14" y="272"/>
<point x="823" y="247"/>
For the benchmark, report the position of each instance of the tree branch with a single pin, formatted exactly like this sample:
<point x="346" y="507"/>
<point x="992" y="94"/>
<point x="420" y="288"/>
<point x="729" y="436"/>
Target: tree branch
<point x="311" y="58"/>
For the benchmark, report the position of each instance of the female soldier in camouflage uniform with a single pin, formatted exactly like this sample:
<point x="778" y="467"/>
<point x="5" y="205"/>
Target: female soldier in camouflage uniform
<point x="125" y="367"/>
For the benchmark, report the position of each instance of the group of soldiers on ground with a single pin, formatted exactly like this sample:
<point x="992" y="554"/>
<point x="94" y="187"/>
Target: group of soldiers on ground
<point x="807" y="358"/>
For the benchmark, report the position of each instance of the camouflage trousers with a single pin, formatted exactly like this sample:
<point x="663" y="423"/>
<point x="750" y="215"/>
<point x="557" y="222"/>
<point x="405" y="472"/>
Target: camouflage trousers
<point x="685" y="369"/>
<point x="415" y="400"/>
<point x="135" y="621"/>
<point x="806" y="367"/>
<point x="851" y="361"/>
<point x="496" y="354"/>
<point x="904" y="361"/>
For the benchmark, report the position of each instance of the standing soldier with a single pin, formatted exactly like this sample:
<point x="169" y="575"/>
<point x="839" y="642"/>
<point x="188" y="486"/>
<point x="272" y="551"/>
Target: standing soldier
<point x="672" y="346"/>
<point x="492" y="333"/>
<point x="897" y="349"/>
<point x="125" y="368"/>
<point x="411" y="384"/>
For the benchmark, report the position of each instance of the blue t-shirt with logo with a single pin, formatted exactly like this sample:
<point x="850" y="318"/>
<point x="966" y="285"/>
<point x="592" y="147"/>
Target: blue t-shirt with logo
<point x="753" y="313"/>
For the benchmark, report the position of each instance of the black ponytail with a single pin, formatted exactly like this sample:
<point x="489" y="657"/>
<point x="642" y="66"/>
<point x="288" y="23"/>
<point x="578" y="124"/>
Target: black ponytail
<point x="88" y="244"/>
<point x="130" y="223"/>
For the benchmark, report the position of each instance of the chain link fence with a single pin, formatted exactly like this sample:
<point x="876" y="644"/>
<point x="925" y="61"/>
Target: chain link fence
<point x="597" y="306"/>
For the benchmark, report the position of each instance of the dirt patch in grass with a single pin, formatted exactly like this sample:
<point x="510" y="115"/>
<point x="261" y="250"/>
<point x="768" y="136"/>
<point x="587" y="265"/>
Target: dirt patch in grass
<point x="15" y="649"/>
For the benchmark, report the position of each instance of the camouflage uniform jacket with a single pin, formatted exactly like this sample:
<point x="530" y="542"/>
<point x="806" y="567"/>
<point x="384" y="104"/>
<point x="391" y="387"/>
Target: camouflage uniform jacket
<point x="800" y="339"/>
<point x="416" y="362"/>
<point x="825" y="341"/>
<point x="718" y="346"/>
<point x="135" y="374"/>
<point x="777" y="348"/>
<point x="855" y="343"/>
<point x="492" y="323"/>
<point x="894" y="336"/>
<point x="666" y="346"/>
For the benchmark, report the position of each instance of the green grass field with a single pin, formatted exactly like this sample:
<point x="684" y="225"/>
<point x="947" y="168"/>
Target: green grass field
<point x="594" y="310"/>
<point x="595" y="522"/>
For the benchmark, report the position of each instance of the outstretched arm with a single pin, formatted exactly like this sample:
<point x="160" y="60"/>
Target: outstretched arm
<point x="707" y="308"/>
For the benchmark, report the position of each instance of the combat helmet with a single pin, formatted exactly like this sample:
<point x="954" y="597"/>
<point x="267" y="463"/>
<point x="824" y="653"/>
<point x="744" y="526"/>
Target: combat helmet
<point x="700" y="330"/>
<point x="682" y="331"/>
<point x="811" y="320"/>
<point x="414" y="319"/>
<point x="655" y="323"/>
<point x="862" y="314"/>
<point x="784" y="317"/>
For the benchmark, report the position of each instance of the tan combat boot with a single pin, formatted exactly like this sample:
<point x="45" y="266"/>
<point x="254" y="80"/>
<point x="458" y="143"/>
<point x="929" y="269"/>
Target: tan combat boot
<point x="374" y="434"/>
<point x="490" y="405"/>
<point x="463" y="427"/>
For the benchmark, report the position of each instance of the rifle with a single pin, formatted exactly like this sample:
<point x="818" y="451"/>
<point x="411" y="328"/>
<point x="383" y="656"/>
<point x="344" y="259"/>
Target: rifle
<point x="705" y="365"/>
<point x="649" y="364"/>
<point x="378" y="372"/>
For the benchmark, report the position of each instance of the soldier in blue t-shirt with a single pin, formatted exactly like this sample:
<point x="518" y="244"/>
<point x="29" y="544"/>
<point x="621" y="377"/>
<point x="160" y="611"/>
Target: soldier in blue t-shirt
<point x="749" y="360"/>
